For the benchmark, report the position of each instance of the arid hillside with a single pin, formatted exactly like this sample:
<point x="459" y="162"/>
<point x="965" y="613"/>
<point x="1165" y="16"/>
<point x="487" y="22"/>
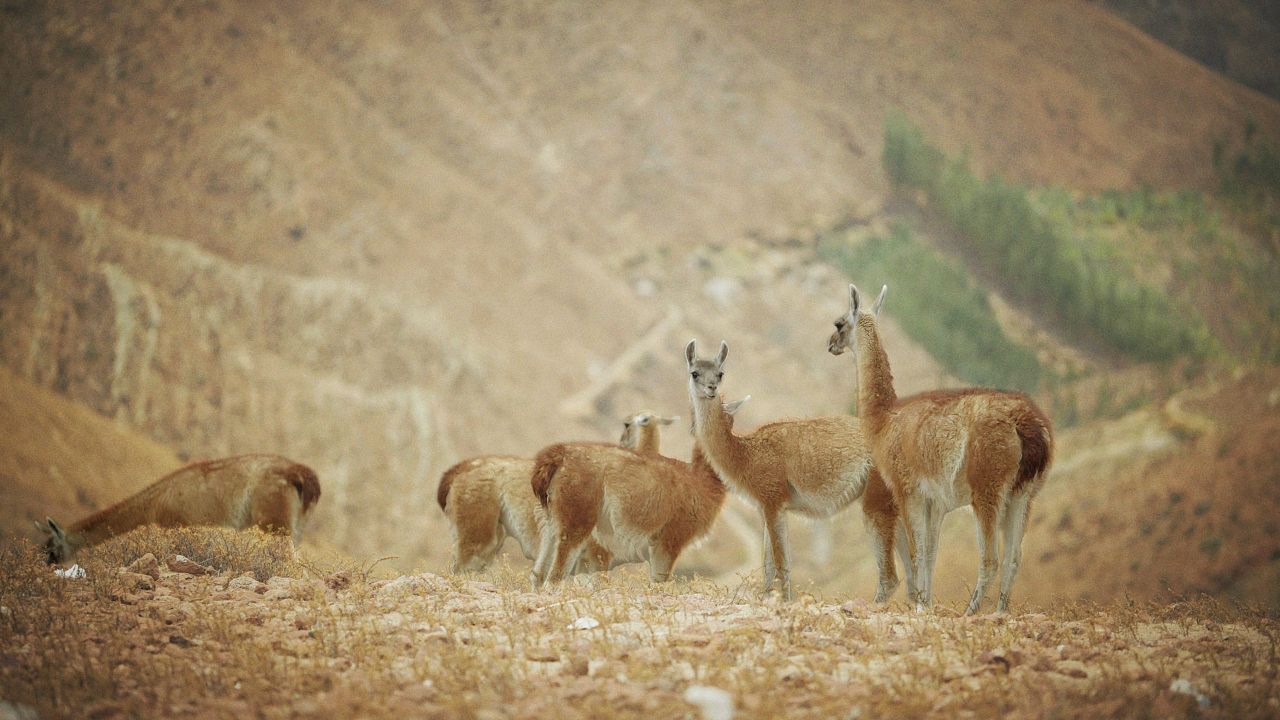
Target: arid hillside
<point x="381" y="238"/>
<point x="82" y="461"/>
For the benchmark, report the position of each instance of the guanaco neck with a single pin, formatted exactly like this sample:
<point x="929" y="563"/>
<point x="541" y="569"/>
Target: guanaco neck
<point x="876" y="396"/>
<point x="109" y="522"/>
<point x="649" y="439"/>
<point x="715" y="443"/>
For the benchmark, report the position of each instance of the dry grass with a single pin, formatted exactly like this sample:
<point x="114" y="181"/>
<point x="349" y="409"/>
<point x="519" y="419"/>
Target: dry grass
<point x="328" y="638"/>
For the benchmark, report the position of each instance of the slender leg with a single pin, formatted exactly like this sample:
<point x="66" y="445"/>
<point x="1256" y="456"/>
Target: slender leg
<point x="1014" y="525"/>
<point x="988" y="561"/>
<point x="767" y="551"/>
<point x="915" y="512"/>
<point x="882" y="537"/>
<point x="660" y="563"/>
<point x="546" y="550"/>
<point x="568" y="548"/>
<point x="777" y="530"/>
<point x="904" y="554"/>
<point x="936" y="515"/>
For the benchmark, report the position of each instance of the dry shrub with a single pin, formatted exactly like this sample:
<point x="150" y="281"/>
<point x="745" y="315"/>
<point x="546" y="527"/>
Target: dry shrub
<point x="306" y="645"/>
<point x="223" y="549"/>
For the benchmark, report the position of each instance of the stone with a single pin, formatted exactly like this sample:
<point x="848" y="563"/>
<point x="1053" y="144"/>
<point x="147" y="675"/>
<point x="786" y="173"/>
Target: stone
<point x="183" y="564"/>
<point x="146" y="565"/>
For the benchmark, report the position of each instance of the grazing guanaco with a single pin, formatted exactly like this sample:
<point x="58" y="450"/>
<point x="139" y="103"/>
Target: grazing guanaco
<point x="945" y="449"/>
<point x="642" y="505"/>
<point x="268" y="492"/>
<point x="815" y="466"/>
<point x="488" y="498"/>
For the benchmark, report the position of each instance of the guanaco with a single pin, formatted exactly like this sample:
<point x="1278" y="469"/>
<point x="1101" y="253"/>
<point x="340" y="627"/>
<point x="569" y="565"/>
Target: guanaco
<point x="814" y="467"/>
<point x="268" y="492"/>
<point x="642" y="505"/>
<point x="488" y="498"/>
<point x="945" y="449"/>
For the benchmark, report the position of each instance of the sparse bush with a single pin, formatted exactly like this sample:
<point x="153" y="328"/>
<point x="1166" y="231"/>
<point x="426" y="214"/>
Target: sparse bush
<point x="939" y="306"/>
<point x="222" y="549"/>
<point x="1087" y="286"/>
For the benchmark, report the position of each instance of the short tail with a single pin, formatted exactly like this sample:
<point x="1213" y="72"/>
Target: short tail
<point x="446" y="482"/>
<point x="1036" y="433"/>
<point x="545" y="466"/>
<point x="304" y="480"/>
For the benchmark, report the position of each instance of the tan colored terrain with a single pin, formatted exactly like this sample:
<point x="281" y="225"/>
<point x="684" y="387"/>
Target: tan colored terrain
<point x="59" y="458"/>
<point x="267" y="638"/>
<point x="381" y="238"/>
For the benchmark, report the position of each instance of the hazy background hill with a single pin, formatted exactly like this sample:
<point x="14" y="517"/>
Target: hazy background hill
<point x="382" y="238"/>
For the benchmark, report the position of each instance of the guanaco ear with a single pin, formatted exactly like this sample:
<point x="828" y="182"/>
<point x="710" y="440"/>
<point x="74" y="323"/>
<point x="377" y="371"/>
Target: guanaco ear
<point x="668" y="420"/>
<point x="879" y="303"/>
<point x="733" y="407"/>
<point x="724" y="353"/>
<point x="54" y="529"/>
<point x="853" y="300"/>
<point x="689" y="352"/>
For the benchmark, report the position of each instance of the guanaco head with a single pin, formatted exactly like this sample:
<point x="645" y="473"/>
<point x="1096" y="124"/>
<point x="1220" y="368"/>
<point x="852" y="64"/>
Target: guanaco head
<point x="705" y="375"/>
<point x="633" y="427"/>
<point x="56" y="548"/>
<point x="842" y="339"/>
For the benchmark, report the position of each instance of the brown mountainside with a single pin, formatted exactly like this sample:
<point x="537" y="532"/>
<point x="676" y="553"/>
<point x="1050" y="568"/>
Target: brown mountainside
<point x="382" y="237"/>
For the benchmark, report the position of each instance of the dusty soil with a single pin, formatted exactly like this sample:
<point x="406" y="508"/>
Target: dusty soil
<point x="149" y="642"/>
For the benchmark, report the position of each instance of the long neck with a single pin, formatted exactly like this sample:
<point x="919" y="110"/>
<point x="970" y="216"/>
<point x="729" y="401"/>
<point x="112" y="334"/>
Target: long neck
<point x="107" y="523"/>
<point x="702" y="466"/>
<point x="875" y="379"/>
<point x="713" y="430"/>
<point x="649" y="439"/>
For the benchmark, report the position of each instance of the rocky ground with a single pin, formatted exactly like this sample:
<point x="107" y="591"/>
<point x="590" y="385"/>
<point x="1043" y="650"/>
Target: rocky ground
<point x="242" y="631"/>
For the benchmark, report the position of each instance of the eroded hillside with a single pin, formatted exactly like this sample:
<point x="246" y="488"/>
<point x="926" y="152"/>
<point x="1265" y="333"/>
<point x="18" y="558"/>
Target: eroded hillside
<point x="381" y="238"/>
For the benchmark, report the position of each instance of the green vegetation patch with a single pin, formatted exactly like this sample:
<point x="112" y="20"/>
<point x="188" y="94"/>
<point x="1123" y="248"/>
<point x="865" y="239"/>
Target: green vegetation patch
<point x="939" y="306"/>
<point x="1041" y="259"/>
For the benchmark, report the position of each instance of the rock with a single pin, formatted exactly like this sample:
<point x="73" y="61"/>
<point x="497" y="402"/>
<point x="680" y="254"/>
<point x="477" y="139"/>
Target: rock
<point x="577" y="666"/>
<point x="16" y="711"/>
<point x="714" y="703"/>
<point x="135" y="581"/>
<point x="1072" y="668"/>
<point x="180" y="641"/>
<point x="1184" y="686"/>
<point x="276" y="593"/>
<point x="183" y="564"/>
<point x="694" y="639"/>
<point x="247" y="583"/>
<point x="541" y="654"/>
<point x="338" y="581"/>
<point x="1001" y="659"/>
<point x="146" y="565"/>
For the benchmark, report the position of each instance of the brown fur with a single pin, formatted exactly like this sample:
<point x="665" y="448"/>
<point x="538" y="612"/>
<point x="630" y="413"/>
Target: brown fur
<point x="646" y="500"/>
<point x="446" y="481"/>
<point x="488" y="499"/>
<point x="304" y="480"/>
<point x="815" y="467"/>
<point x="946" y="448"/>
<point x="263" y="491"/>
<point x="545" y="465"/>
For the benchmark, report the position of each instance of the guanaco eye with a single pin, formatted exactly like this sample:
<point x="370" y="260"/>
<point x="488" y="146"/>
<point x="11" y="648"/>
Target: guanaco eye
<point x="696" y="374"/>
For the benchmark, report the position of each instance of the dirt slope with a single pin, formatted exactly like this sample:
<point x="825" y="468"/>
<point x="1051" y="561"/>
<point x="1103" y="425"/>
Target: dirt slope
<point x="59" y="458"/>
<point x="384" y="237"/>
